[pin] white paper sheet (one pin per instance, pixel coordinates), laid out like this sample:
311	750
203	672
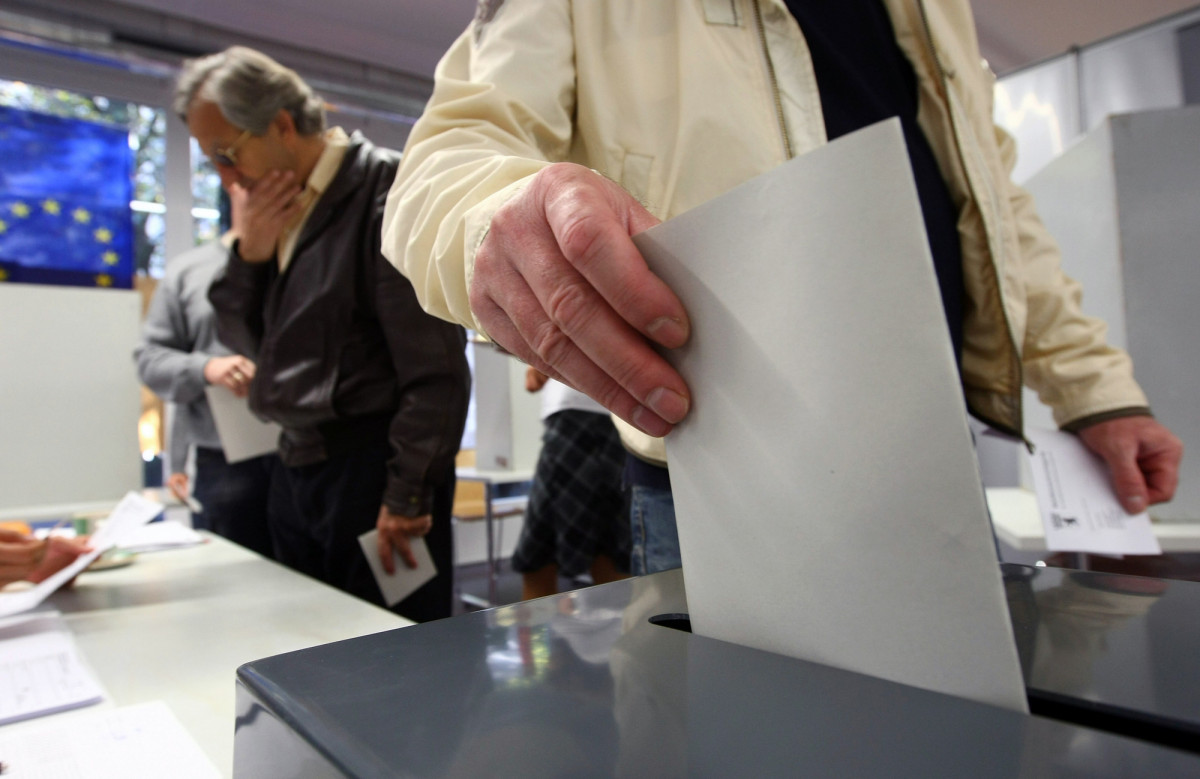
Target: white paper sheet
1079	508
242	434
40	669
144	741
157	536
131	513
405	581
826	488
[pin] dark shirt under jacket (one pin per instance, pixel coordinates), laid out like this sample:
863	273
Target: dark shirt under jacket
864	78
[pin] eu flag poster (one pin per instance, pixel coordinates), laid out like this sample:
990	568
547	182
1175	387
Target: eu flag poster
65	187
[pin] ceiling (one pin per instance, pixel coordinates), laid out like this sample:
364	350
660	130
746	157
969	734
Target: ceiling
403	39
410	35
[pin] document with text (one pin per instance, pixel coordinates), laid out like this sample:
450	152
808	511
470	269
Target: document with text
1079	508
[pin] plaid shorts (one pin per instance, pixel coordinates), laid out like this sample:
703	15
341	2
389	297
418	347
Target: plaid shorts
576	507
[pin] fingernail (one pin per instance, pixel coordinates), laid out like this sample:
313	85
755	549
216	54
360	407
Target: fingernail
668	331
668	404
1135	504
649	423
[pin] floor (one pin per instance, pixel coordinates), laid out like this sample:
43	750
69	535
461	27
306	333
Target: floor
472	580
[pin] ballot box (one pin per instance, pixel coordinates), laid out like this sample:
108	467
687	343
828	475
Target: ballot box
607	681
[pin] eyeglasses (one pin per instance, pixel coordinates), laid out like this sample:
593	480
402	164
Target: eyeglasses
227	157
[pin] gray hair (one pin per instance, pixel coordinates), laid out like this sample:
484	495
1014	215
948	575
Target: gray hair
249	88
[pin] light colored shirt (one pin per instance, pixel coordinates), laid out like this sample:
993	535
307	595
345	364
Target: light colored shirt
557	396
323	173
179	337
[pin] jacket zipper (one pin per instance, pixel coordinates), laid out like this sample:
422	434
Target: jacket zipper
762	39
1018	430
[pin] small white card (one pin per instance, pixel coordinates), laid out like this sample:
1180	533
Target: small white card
405	581
1079	508
242	434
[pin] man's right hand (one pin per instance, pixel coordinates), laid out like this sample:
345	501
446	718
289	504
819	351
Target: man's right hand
235	372
263	211
559	283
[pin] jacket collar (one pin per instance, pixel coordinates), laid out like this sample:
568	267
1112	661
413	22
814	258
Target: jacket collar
344	184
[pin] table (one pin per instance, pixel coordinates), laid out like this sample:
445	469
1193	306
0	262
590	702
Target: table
176	624
1018	523
491	478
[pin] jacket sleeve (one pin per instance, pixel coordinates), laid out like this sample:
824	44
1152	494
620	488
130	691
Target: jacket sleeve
165	360
434	382
501	110
1066	357
238	294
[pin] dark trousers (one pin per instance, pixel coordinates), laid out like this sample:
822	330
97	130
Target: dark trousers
317	512
234	498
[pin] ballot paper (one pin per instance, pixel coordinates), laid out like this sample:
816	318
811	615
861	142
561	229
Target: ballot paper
1079	508
143	741
242	434
827	494
40	669
405	581
158	536
131	513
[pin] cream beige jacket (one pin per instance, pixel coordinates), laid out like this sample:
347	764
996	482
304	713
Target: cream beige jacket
681	100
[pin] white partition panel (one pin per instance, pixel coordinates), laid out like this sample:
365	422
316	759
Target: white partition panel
69	398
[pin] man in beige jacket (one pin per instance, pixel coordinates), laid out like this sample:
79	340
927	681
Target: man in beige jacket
558	129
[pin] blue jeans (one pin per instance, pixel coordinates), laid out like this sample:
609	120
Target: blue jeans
655	541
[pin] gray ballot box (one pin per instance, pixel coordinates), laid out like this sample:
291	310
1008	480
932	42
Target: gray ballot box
607	681
1124	205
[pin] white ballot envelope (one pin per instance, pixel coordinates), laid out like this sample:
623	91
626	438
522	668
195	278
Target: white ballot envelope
1079	508
826	488
405	581
242	434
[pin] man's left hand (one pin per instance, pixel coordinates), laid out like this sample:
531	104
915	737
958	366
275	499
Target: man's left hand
394	532
1142	456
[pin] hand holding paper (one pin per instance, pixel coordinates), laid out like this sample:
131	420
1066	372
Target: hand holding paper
405	581
1080	511
131	513
558	283
1142	456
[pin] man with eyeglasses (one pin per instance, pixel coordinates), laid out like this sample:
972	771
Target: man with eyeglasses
370	391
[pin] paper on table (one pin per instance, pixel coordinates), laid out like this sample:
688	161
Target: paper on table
40	669
827	493
242	434
160	535
131	513
405	581
144	741
1079	508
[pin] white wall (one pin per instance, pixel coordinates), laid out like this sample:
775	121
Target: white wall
69	400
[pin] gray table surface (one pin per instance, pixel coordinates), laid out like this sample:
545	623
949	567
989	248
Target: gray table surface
175	625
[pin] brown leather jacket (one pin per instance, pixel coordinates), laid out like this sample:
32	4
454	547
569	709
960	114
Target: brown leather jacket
342	345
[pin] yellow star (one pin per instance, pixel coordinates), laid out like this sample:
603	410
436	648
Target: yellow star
104	280
111	258
20	209
51	207
103	235
82	215
3	275
3	227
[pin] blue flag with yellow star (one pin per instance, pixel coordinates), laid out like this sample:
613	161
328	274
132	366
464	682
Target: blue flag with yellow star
65	187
